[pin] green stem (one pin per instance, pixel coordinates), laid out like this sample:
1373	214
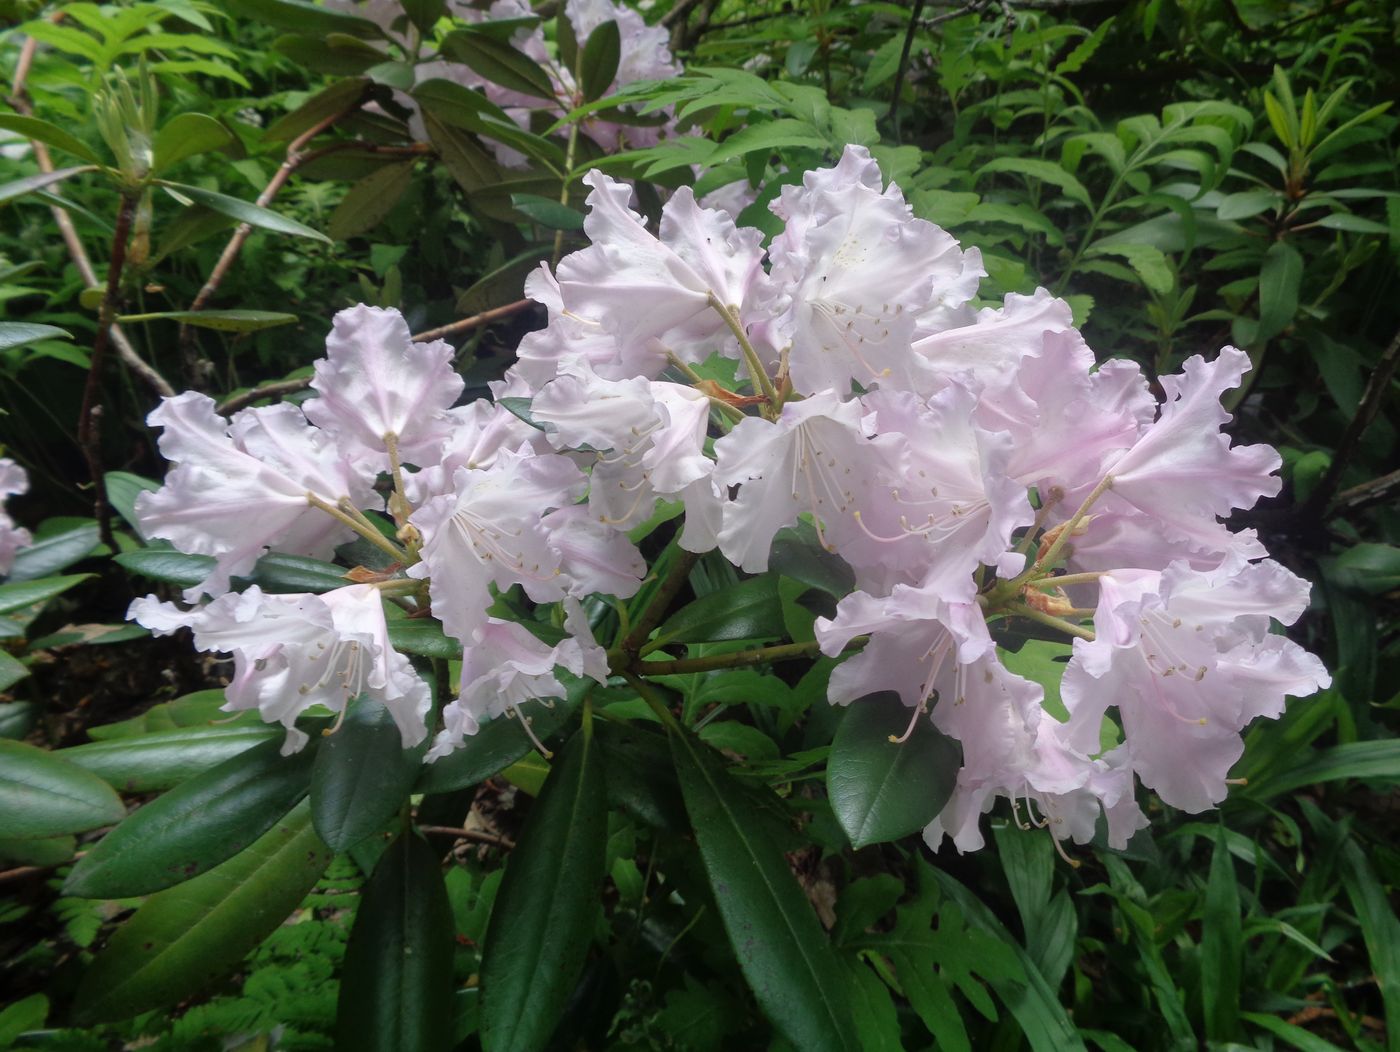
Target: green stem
1039	616
1071	578
1007	589
736	659
398	506
760	376
660	602
657	706
365	530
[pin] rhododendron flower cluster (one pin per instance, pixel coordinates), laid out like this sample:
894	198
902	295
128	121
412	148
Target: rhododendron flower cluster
974	468
13	482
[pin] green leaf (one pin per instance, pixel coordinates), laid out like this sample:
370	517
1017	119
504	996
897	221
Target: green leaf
880	789
16	718
1372	569
423	636
782	951
167	565
203	708
187	135
547	213
51	134
1353	223
156	762
22	1016
1380	928
54	552
1222	946
751	609
542	923
425	13
396	983
302	16
767	136
51	851
122	490
362	776
799	554
19	187
278	572
1294	1036
195	826
467	162
222	320
1246	203
496	746
598	63
641	780
20	595
183	939
1045	171
22	333
12	670
371	199
1148	262
498	62
340	97
1279	279
243	211
43	795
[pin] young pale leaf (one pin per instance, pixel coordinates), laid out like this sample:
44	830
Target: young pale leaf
156	762
243	211
396	986
187	135
43	795
195	826
181	940
782	951
362	776
543	919
880	789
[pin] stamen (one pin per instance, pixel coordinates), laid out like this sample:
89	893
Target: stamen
529	732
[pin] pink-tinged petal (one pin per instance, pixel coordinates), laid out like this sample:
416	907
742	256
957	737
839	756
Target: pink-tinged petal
14	480
239	488
1272	670
989	350
1183	471
582	410
375	381
580	653
594	557
1125	536
479	431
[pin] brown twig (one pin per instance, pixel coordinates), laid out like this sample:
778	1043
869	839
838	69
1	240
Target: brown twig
1377	387
470	834
89	418
1376	491
476	320
195	368
904	65
76	252
660	603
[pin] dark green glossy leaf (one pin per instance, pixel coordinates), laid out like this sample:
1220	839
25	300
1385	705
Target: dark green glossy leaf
467	162
301	16
55	552
396	985
203	708
156	762
1372	569
195	826
366	203
276	572
641	780
498	62
1377	760
424	13
496	746
122	490
547	213
880	789
16	717
543	919
338	98
244	211
187	135
784	955
12	670
183	939
19	596
1380	928
43	795
751	609
798	553
50	851
598	63
22	333
362	776
167	565
423	636
1279	281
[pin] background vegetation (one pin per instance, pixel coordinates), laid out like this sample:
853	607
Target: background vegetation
1186	173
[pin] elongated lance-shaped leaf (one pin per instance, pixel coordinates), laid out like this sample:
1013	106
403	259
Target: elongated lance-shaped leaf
182	939
784	955
43	795
396	987
543	919
362	775
195	826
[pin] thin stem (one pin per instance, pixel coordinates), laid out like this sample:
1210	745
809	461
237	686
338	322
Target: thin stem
398	505
568	177
89	418
1056	495
365	529
469	834
648	695
1060	625
1072	578
660	602
759	374
737	659
476	320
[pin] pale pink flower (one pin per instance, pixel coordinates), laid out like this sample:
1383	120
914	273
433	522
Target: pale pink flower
13	482
293	652
239	487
